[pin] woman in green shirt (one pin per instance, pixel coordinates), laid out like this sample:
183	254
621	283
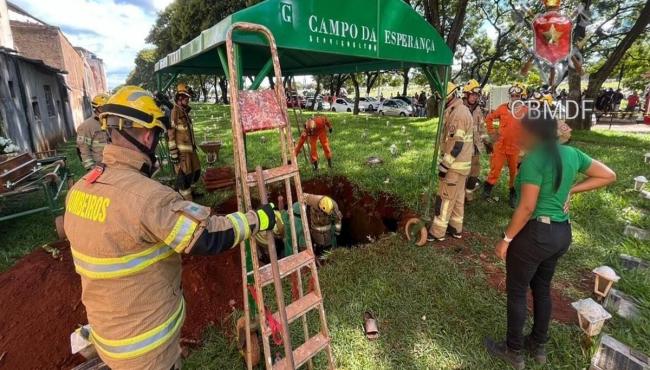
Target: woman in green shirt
539	232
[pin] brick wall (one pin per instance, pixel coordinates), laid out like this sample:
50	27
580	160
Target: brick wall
50	45
38	42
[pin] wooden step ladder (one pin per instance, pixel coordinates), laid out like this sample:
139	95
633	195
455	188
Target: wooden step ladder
267	110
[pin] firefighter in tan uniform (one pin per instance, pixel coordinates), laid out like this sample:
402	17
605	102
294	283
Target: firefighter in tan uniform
457	148
91	139
127	233
182	144
471	95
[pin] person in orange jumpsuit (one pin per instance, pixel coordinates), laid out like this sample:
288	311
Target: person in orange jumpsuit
316	129
506	138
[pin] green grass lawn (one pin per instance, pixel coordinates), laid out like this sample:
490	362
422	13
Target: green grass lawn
434	306
402	284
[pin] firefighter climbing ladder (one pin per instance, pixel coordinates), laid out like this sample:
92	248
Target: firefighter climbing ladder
272	115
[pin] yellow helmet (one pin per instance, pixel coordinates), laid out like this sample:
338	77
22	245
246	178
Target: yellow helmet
472	87
182	89
132	106
517	89
326	204
548	98
451	88
99	100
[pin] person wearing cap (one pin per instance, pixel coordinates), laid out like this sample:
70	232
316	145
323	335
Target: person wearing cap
471	98
457	148
539	232
506	137
316	129
91	139
127	233
182	143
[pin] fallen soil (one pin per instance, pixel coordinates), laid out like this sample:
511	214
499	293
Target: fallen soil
41	296
40	304
496	277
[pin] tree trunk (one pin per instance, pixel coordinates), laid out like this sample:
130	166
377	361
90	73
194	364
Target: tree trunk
596	79
371	78
223	84
405	75
216	91
355	111
314	105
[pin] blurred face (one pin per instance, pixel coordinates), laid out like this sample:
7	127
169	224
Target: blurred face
185	100
515	97
527	140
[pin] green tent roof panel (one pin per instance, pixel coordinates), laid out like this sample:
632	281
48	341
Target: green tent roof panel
318	37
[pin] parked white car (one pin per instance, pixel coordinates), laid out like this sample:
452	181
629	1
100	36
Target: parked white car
368	104
395	107
342	105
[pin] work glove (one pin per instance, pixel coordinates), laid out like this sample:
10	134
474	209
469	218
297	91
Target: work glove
442	170
266	217
173	156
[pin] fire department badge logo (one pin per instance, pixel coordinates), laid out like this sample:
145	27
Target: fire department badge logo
553	37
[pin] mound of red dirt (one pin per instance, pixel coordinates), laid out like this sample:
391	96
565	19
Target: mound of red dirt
41	305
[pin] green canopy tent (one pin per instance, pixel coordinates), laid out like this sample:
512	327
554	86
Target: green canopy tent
319	37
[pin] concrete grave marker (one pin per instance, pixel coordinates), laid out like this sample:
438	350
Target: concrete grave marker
622	304
615	355
636	233
633	263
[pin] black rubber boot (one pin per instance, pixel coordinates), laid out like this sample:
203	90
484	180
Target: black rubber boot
431	238
487	190
535	350
513	198
315	164
329	163
454	233
501	351
472	183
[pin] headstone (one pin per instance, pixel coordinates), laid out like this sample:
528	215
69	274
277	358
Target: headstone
633	263
621	304
636	233
614	355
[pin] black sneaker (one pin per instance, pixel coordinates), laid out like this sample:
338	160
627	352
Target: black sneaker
535	350
432	238
500	350
454	234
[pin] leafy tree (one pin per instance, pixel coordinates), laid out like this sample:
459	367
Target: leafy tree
142	75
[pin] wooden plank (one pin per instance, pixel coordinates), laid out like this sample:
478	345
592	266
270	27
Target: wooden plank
274	174
300	307
305	352
287	265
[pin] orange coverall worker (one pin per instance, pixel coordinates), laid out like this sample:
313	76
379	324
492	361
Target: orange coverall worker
506	148
315	134
457	150
126	234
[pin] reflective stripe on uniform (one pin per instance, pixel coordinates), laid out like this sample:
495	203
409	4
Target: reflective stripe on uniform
185	148
113	267
180	236
461	165
448	158
181	128
143	343
322	228
172	145
239	224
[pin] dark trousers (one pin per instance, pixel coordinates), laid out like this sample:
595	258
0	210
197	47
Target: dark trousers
531	260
